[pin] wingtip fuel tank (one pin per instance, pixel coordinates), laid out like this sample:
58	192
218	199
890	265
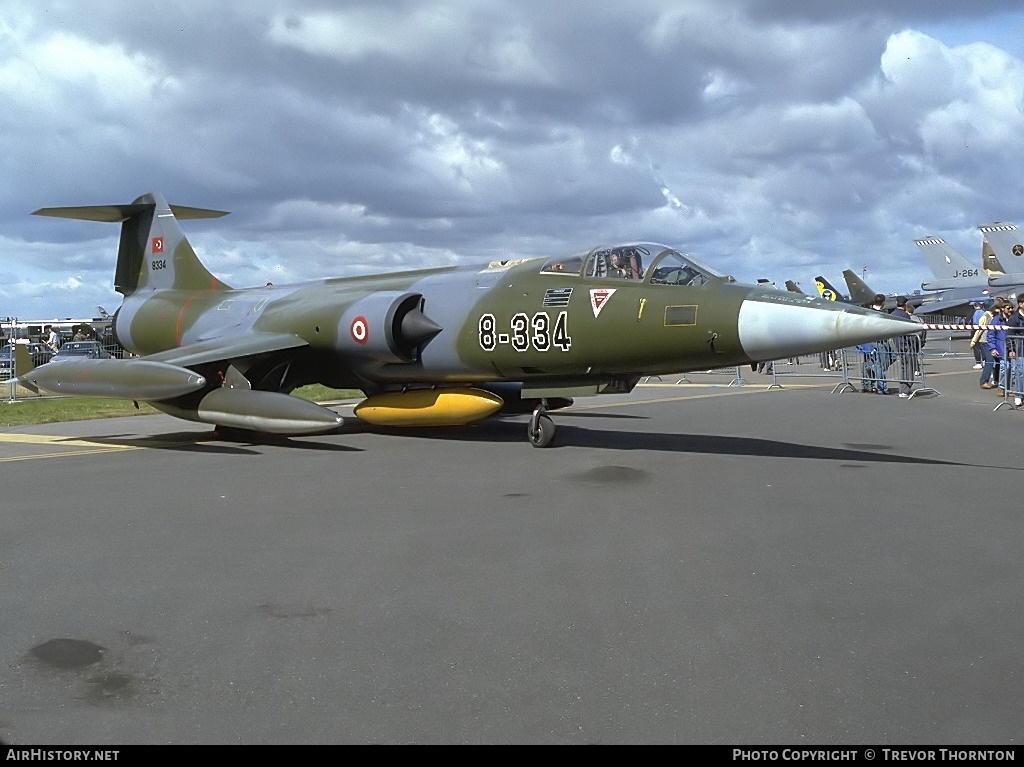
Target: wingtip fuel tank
136	379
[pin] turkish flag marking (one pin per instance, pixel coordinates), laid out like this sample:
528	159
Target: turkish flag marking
360	330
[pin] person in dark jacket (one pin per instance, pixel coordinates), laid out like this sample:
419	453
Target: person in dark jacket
1015	352
918	340
902	349
997	344
883	355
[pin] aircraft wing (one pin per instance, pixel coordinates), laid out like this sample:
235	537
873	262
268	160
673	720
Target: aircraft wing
948	302
172	373
220	349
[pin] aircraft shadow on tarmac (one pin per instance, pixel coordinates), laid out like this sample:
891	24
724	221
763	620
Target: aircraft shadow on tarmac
513	432
507	431
624	416
208	442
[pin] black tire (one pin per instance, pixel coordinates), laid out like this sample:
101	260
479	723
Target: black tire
544	434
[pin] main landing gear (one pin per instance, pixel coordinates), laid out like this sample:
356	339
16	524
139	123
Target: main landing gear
541	431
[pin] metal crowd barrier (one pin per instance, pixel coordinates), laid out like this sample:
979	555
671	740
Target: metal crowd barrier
735	374
1011	374
887	367
829	365
893	366
946	330
950	331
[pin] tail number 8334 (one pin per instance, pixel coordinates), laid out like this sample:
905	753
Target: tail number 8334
525	331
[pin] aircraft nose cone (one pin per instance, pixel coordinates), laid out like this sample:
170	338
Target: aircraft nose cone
777	325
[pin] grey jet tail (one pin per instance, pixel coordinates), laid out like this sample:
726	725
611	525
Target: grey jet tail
950	267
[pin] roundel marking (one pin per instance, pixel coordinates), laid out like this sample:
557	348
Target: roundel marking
1018	250
360	330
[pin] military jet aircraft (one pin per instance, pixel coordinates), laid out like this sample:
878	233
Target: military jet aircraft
433	347
957	284
861	293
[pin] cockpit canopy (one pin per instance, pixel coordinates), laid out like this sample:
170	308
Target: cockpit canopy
656	264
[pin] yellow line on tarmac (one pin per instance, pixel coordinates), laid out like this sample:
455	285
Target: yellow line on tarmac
85	446
89	447
67	454
47	439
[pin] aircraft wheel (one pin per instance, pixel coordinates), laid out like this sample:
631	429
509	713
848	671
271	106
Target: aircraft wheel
541	431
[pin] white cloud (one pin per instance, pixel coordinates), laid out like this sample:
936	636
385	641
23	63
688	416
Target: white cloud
426	35
766	139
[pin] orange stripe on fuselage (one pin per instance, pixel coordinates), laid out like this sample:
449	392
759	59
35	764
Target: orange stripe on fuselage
181	316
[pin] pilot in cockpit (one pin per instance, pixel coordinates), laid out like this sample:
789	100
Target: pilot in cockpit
626	264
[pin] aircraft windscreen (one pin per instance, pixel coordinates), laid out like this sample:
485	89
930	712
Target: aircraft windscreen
673	268
623	262
563	265
634	262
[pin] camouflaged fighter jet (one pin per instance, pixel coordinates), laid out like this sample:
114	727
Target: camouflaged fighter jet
434	347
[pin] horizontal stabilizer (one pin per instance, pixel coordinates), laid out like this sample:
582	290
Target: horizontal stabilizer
1014	280
952	284
116	214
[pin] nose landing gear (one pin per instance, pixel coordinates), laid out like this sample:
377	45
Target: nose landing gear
541	431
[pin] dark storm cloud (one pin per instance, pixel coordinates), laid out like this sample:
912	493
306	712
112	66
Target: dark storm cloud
767	138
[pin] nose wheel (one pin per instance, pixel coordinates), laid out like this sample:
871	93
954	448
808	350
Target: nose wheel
541	430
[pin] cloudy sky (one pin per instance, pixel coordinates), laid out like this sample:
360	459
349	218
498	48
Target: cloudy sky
768	138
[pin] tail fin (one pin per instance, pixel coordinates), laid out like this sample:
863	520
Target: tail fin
826	291
154	253
1003	244
792	287
860	293
950	267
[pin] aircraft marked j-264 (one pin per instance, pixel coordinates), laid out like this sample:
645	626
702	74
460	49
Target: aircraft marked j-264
433	347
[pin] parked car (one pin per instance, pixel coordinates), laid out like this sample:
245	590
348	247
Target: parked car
40	353
79	350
